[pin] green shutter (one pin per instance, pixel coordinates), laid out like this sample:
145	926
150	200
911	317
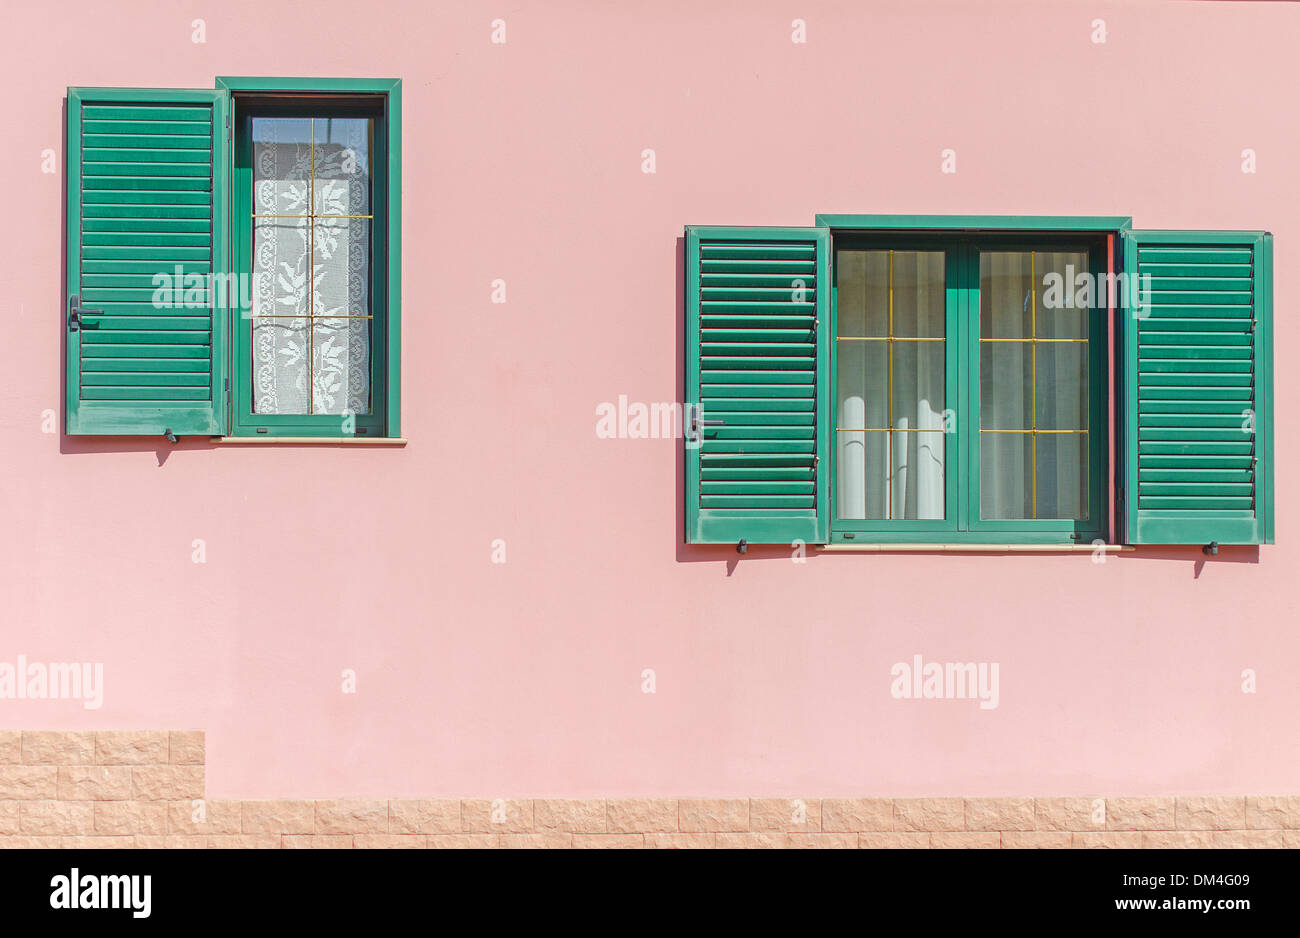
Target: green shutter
757	360
145	197
1198	416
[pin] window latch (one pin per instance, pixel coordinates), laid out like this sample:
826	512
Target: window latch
698	423
75	320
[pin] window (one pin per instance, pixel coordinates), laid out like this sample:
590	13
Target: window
234	260
948	381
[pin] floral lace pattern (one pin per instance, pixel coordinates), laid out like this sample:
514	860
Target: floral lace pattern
311	266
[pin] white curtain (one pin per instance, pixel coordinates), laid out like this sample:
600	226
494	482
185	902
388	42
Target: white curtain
1025	385
317	172
891	453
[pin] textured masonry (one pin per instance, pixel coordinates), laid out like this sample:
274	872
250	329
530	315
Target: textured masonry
146	789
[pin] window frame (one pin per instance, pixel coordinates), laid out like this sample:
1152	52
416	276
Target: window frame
884	530
962	238
248	95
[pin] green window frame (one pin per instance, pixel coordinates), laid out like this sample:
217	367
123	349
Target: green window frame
962	478
159	180
1170	363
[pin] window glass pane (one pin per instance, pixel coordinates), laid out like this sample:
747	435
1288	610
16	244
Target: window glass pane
890	395
1033	385
311	265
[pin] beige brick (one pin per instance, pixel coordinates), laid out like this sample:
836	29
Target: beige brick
1035	840
98	842
1273	811
352	816
1255	840
551	840
11	747
1127	840
965	840
9	817
58	747
659	841
585	816
513	817
317	842
704	815
929	814
130	817
214	817
1000	814
1209	813
794	815
750	841
170	842
56	817
464	841
277	817
890	840
95	782
1069	814
166	782
857	814
1172	840
636	815
1140	814
846	841
131	747
389	841
608	841
186	747
28	782
429	816
31	842
244	842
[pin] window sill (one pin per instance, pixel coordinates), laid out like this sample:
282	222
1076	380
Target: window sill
975	548
311	440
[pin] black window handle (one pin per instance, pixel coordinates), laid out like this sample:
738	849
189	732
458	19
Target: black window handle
75	319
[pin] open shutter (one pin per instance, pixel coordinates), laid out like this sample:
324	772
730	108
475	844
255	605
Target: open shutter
145	203
757	395
1198	415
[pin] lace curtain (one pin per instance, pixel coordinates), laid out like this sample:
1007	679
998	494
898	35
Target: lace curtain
311	266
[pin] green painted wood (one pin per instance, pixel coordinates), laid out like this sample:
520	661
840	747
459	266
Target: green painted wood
145	197
143	349
122	112
150	397
757	354
139	141
1197	454
142	172
144	128
174	253
134	378
121	366
97	272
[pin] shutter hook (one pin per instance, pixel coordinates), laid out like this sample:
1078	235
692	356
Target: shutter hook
1211	549
171	437
742	546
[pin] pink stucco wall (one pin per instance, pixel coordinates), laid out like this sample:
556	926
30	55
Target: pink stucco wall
523	162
